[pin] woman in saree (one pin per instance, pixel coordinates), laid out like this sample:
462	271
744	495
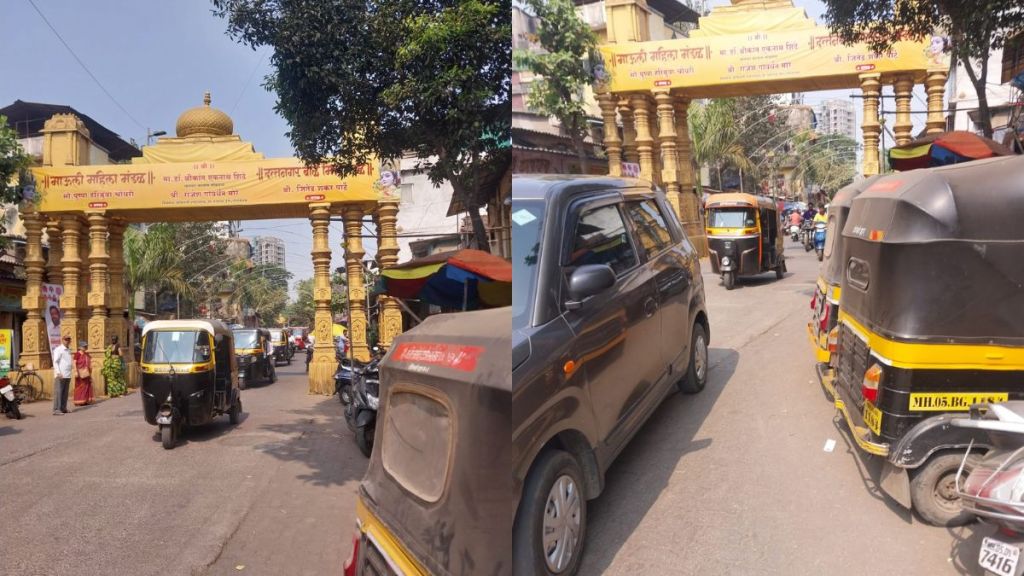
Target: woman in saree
83	375
113	369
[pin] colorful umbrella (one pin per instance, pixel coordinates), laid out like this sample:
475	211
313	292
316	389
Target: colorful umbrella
944	148
466	279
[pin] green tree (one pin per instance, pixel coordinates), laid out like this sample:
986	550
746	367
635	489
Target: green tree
560	68
362	78
716	138
13	163
262	289
828	161
152	262
300	311
974	29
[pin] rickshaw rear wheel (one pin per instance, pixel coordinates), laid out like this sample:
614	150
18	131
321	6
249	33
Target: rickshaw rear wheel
729	280
235	413
167	436
538	513
933	489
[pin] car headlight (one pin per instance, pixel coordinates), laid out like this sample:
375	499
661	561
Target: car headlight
726	261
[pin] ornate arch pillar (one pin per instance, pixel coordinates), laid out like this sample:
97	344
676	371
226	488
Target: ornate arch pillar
689	201
35	346
353	217
99	328
389	322
669	147
903	85
323	364
871	88
644	140
935	87
612	142
73	325
629	152
54	272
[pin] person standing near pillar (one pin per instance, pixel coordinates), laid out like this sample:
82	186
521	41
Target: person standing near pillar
61	376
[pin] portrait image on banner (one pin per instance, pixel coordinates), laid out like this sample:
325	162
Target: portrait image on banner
52	313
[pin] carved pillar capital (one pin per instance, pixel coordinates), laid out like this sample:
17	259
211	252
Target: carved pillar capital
935	87
871	86
903	85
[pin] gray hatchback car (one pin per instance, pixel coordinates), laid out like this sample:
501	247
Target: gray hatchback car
608	316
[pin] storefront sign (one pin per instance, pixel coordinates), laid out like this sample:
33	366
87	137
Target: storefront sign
6	344
203	184
810	55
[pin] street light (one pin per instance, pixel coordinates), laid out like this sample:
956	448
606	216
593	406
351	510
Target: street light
150	135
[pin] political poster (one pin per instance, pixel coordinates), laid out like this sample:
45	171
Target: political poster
52	313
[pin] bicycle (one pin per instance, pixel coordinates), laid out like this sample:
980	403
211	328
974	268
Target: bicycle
29	386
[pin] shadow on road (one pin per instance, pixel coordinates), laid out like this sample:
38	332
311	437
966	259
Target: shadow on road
319	439
870	470
963	551
642	471
8	430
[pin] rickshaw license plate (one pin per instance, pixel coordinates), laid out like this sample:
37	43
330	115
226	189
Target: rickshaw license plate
999	557
873	418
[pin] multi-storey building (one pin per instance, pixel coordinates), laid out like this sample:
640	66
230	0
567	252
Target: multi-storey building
268	250
836	116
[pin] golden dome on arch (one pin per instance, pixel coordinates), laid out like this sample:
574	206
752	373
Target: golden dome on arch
204	121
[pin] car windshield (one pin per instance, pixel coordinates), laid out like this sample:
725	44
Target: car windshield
246	339
176	347
732	218
527	219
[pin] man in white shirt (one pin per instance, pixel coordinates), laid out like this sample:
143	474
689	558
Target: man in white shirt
61	376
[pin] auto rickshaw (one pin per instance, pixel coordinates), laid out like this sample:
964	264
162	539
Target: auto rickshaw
825	303
280	339
255	361
189	375
744	237
437	495
931	322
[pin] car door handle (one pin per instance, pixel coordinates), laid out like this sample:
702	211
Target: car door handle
650	307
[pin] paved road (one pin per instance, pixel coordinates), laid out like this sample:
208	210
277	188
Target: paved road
93	492
735	480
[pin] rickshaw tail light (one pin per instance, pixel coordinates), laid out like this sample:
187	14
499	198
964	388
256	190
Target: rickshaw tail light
814	301
833	340
823	323
350	564
869	387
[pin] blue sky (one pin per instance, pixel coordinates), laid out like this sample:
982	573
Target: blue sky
156	58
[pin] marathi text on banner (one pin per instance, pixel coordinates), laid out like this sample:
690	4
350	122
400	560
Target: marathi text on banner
757	57
198	185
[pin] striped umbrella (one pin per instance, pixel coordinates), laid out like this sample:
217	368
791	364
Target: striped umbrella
944	148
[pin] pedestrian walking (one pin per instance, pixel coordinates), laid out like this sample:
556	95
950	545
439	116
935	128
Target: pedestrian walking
113	369
83	375
61	376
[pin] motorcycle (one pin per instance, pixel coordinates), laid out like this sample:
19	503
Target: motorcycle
807	235
991	490
819	239
361	410
794	232
8	401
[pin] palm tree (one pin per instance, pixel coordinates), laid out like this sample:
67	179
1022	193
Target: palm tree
152	262
716	137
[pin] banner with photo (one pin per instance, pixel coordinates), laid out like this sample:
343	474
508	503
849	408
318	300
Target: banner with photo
52	313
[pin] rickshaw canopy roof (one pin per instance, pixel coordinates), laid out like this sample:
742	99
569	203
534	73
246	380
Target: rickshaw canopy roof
740	199
214	327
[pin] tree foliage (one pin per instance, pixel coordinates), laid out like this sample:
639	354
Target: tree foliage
828	162
716	138
363	78
300	312
152	262
560	68
13	166
262	289
974	28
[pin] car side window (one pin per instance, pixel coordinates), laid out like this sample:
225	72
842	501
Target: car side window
601	238
649	223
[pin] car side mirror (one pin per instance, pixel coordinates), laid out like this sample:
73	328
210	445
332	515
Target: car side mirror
588	280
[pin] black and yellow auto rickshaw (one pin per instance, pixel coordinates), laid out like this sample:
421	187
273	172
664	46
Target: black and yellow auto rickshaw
280	339
931	321
437	495
825	303
255	360
744	237
188	375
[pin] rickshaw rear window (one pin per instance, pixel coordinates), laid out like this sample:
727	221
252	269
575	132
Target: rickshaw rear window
176	347
417	444
732	218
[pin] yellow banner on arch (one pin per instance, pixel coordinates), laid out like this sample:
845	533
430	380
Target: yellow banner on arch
283	181
812	56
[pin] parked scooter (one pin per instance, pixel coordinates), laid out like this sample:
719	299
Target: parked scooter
361	411
992	489
819	239
8	401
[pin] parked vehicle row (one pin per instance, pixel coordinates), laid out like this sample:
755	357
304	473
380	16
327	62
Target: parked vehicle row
927	320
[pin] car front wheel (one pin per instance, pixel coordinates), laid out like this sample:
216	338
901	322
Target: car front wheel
547	537
697	372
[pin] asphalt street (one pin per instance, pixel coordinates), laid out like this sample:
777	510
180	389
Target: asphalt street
735	480
93	492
